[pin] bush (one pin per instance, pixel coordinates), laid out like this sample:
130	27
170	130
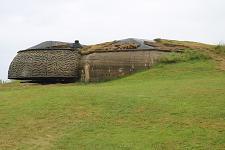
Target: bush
220	48
187	55
158	40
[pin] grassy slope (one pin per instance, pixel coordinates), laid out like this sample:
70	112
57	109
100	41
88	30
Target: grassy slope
172	106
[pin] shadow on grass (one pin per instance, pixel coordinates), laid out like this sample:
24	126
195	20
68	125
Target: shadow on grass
46	81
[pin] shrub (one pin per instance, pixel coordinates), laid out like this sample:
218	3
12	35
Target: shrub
158	40
220	48
187	55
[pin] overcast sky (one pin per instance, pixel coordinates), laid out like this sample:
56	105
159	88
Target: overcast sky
24	23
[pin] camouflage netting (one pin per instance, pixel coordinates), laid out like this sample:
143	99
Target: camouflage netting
120	45
39	64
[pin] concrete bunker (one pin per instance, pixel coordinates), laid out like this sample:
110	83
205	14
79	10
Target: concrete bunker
58	61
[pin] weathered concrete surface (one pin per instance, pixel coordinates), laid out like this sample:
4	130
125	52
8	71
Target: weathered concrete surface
109	65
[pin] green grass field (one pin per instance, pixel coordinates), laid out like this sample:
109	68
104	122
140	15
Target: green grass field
175	106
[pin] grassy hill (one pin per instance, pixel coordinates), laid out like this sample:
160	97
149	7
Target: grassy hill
172	106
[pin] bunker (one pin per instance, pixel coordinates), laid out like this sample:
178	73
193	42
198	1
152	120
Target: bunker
61	61
46	61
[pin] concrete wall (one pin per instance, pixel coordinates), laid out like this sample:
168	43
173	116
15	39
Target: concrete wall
109	65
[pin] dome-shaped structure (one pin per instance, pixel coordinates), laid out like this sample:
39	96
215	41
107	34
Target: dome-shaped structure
48	60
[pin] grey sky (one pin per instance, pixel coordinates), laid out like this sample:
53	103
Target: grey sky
24	23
